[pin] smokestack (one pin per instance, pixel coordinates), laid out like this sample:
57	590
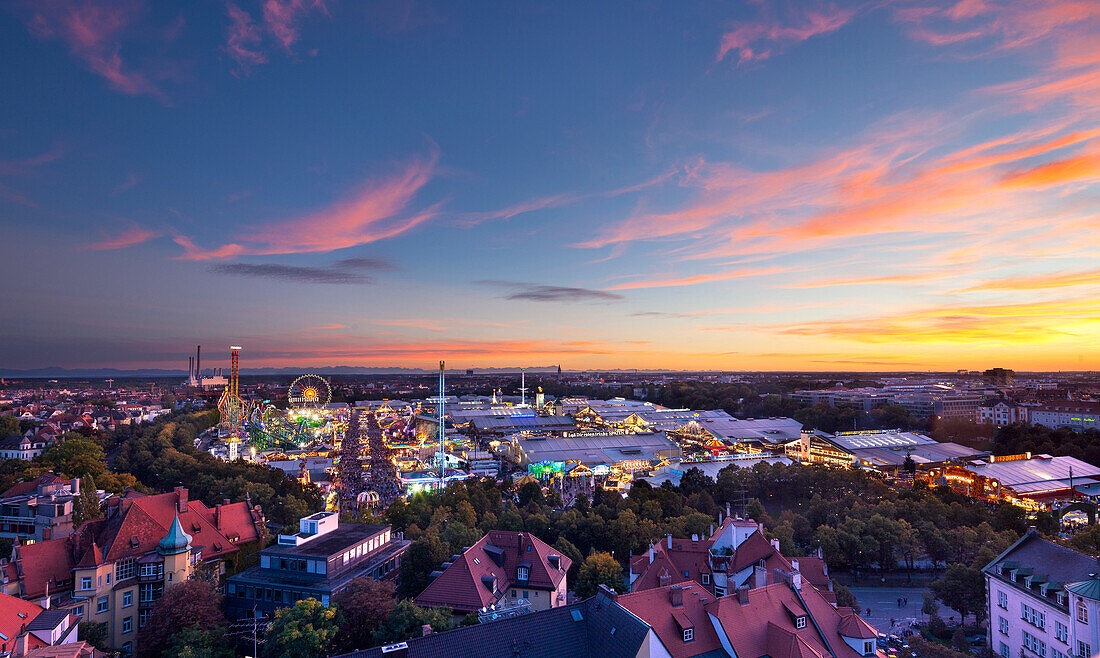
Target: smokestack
198	361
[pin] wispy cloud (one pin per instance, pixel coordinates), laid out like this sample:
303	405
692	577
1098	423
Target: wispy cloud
346	271
131	181
761	38
699	278
134	234
1039	281
379	210
244	39
94	31
23	167
282	18
547	293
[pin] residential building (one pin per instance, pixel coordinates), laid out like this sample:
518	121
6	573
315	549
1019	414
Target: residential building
321	559
503	566
1075	414
864	399
39	509
113	569
25	626
24	447
1044	600
1003	413
735	555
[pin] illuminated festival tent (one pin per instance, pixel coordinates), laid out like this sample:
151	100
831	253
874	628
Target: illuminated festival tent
1031	481
599	449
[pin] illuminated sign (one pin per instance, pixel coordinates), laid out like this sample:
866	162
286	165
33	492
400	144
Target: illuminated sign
545	468
601	469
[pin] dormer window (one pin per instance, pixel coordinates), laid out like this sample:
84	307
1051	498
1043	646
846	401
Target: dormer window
706	578
689	634
522	573
800	622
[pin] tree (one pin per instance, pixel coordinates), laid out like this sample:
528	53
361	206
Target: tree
844	597
962	588
406	620
94	633
926	649
192	604
86	505
196	643
598	569
365	603
909	465
307	628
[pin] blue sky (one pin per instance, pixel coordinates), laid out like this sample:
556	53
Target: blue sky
747	185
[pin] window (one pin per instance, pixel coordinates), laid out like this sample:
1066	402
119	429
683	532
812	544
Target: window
155	570
526	594
800	622
689	634
108	579
127	598
1054	653
1035	645
522	574
1084	649
1036	618
124	569
1002	600
706	578
1061	632
1082	612
719	590
868	648
143	616
78	611
103	604
128	649
127	624
1002	625
686	574
1004	650
85	583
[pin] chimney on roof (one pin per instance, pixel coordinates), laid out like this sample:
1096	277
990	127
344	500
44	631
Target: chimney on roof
74	486
608	592
676	596
181	499
719	517
775	543
743	595
22	642
664	578
712	529
425	630
669	537
651	555
694	537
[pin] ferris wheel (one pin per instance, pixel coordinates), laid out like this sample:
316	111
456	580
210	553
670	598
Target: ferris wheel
310	391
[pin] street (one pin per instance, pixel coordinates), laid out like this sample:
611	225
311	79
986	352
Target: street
883	602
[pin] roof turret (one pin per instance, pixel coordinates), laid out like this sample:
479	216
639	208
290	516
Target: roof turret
176	541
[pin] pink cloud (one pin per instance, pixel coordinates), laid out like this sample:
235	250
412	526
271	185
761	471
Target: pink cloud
244	41
376	212
282	17
134	235
757	40
94	32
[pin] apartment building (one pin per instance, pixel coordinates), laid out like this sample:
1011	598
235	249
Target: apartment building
1044	600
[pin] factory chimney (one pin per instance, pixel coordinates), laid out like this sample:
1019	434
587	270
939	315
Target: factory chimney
198	362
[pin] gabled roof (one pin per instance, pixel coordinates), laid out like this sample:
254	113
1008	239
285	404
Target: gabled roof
654	607
43	562
31	486
853	626
14	615
466	585
748	626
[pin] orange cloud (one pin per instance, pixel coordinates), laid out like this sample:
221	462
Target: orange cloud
757	40
698	278
376	212
1040	281
129	237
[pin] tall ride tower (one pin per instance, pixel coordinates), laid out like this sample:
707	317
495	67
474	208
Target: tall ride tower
442	452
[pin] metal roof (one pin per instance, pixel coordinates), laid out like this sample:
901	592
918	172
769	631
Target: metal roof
878	439
1037	473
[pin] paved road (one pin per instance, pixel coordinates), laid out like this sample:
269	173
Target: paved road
883	602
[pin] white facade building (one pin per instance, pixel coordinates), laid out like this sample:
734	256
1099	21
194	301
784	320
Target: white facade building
1075	414
1004	413
1044	601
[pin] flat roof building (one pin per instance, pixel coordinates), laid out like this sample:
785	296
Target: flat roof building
322	558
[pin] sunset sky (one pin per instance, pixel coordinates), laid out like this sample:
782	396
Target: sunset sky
755	184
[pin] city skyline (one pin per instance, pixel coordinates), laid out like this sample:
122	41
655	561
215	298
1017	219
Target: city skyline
900	185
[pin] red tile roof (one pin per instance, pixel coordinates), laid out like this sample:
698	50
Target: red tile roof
465	585
29	487
654	607
16	613
749	626
43	562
